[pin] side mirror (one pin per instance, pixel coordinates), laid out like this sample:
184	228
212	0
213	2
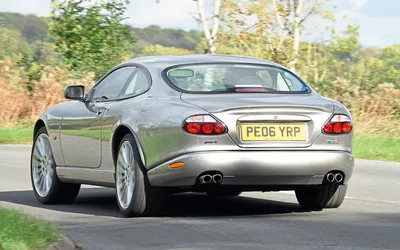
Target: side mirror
74	92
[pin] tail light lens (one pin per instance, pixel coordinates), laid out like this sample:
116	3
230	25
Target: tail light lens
339	124
203	125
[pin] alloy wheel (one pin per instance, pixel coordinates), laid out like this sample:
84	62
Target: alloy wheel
42	164
125	175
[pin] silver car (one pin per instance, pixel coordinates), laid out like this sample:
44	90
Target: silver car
200	123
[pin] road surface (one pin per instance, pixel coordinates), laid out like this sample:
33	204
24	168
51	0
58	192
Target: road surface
368	219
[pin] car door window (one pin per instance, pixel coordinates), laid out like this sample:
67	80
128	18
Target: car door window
111	86
138	84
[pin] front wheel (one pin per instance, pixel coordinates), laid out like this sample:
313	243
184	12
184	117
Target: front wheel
135	195
329	195
47	188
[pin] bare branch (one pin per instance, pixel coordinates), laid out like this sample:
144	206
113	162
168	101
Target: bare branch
312	10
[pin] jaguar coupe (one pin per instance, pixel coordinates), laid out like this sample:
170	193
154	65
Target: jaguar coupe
219	125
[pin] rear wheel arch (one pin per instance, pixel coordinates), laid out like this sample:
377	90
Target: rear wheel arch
118	135
38	125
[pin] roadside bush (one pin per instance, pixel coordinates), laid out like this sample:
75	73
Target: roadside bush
13	92
24	101
373	112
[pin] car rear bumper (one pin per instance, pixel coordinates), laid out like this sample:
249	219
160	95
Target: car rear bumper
255	167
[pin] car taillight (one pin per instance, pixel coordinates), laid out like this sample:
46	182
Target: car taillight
339	124
203	125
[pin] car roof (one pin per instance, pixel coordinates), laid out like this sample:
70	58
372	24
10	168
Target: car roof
172	60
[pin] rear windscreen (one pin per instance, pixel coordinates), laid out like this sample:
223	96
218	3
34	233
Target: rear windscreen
234	78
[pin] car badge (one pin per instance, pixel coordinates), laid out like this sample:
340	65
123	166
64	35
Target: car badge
333	142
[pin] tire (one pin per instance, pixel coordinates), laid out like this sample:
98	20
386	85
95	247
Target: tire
223	193
325	196
47	188
135	195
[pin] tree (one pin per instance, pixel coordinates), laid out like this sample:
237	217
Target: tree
33	28
210	31
391	59
45	56
178	38
12	44
46	53
391	55
152	50
275	25
346	47
89	33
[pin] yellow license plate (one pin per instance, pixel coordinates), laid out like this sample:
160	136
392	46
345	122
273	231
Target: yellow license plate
274	132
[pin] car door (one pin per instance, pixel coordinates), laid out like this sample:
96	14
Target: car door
81	130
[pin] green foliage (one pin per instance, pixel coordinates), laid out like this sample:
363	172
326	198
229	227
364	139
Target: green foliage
390	57
151	50
12	44
346	47
89	34
178	38
46	53
32	28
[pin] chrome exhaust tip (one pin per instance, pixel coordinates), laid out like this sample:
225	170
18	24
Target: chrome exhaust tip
330	177
217	178
205	179
338	177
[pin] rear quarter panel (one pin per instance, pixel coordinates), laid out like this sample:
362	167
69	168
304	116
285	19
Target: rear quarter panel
160	134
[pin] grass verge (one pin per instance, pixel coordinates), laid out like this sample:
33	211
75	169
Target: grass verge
377	147
20	231
16	135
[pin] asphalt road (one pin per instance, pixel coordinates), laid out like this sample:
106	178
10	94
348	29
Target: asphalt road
368	219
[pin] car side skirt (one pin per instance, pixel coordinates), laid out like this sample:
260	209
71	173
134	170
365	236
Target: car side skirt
88	176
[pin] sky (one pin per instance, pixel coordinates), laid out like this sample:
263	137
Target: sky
379	19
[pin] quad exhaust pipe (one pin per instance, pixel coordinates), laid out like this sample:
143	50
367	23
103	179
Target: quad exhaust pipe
331	177
207	179
338	177
217	178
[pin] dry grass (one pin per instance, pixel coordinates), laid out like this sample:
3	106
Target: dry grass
19	104
373	113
